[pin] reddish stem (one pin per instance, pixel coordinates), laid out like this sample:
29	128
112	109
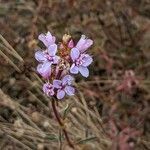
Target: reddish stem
61	123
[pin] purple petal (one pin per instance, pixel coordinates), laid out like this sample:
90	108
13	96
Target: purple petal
52	49
74	53
84	44
51	92
69	90
39	56
60	94
87	60
42	38
74	69
81	42
57	84
84	71
56	59
53	39
46	66
39	68
87	44
47	39
67	80
45	87
44	69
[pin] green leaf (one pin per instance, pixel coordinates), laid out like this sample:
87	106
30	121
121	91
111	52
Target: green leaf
52	137
66	110
86	140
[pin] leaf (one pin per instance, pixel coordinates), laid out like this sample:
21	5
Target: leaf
86	140
66	110
52	137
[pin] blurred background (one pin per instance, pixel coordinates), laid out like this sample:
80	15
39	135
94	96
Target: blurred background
111	107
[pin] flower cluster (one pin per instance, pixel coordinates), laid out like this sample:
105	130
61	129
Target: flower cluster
58	62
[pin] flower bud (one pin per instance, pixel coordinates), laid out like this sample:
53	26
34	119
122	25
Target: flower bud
66	38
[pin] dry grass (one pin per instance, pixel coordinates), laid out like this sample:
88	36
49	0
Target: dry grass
98	115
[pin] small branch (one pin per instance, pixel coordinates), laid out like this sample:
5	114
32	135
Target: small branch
61	124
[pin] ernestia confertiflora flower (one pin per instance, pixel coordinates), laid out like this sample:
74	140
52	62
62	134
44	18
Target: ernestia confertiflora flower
80	62
63	86
46	59
48	89
58	62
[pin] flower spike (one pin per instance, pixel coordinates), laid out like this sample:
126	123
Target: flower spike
58	63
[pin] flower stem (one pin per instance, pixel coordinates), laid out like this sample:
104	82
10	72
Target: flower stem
61	124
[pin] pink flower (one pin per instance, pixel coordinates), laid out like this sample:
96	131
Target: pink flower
48	89
64	86
46	59
80	62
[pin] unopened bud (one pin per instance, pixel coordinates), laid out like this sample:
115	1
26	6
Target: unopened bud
66	38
